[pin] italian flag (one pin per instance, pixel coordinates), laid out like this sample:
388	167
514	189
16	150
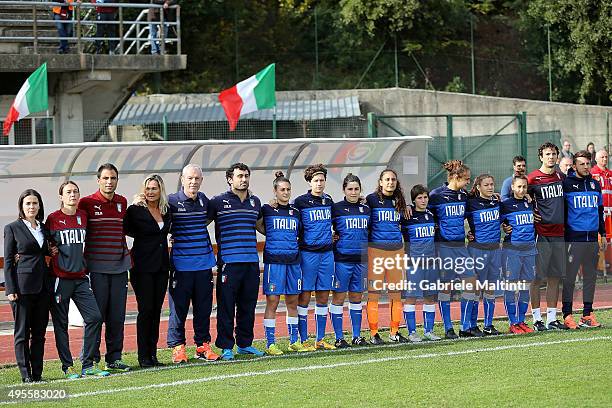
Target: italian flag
32	97
252	94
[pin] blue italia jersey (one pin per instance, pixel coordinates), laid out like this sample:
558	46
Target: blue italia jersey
448	206
385	222
235	227
351	222
191	250
315	213
584	208
282	226
519	215
419	233
483	217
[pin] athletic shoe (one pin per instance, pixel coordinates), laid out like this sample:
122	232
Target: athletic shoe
525	328
323	345
557	325
570	322
341	343
477	331
398	338
450	334
539	326
71	373
359	341
376	340
515	329
227	354
589	321
431	336
95	371
297	347
204	352
179	355
490	331
117	365
414	338
471	332
273	350
156	362
250	350
309	346
146	364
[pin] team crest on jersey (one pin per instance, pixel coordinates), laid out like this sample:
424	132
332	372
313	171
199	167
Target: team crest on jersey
459	196
323	201
272	287
201	203
79	219
119	206
526	205
592	185
360	209
252	202
427	217
290	212
393	202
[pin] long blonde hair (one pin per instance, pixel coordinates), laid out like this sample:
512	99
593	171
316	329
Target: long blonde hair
163	198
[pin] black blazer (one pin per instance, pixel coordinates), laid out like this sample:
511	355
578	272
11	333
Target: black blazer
27	276
150	248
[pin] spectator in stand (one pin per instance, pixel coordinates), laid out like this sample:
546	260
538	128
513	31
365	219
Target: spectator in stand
63	21
154	23
519	167
105	26
565	152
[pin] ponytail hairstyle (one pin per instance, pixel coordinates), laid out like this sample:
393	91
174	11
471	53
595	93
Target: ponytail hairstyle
455	169
474	191
350	178
398	194
313	170
279	177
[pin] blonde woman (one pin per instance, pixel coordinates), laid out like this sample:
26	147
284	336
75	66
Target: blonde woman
148	222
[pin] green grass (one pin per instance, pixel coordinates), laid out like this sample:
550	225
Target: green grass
541	369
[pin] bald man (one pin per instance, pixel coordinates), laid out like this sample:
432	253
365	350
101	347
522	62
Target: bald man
564	164
602	174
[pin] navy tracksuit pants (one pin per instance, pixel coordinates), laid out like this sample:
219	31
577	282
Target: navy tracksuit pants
237	289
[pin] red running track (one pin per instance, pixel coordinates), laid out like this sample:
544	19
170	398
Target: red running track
603	300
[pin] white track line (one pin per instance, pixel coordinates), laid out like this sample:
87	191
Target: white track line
329	366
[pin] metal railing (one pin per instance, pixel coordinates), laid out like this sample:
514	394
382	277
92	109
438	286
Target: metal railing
133	32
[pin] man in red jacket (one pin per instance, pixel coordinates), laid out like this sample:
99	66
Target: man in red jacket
103	29
602	174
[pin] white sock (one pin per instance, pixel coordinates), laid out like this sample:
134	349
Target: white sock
551	315
537	315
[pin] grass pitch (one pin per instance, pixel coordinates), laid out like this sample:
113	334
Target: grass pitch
541	369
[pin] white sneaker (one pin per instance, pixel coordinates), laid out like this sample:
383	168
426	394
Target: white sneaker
414	338
431	336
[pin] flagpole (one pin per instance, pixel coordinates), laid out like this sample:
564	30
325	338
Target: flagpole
274	123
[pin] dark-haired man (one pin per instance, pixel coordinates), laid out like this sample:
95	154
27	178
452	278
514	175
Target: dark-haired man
519	168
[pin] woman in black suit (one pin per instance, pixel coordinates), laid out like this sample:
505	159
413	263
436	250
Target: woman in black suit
25	268
148	222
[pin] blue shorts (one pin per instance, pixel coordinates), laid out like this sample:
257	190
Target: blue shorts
487	264
419	281
281	279
456	263
518	267
317	270
349	277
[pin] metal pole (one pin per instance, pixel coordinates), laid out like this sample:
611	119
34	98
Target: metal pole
35	29
396	65
121	40
372	131
33	130
523	133
78	28
449	137
472	54
274	123
162	35
165	127
316	35
550	97
236	44
178	30
49	129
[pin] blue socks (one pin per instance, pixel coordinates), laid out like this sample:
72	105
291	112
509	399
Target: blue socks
303	322
474	319
336	312
292	328
444	304
270	326
429	316
511	306
321	319
467	301
488	303
355	311
523	304
410	317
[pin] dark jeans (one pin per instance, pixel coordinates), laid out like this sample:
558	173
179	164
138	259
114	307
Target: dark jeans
106	30
64	29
